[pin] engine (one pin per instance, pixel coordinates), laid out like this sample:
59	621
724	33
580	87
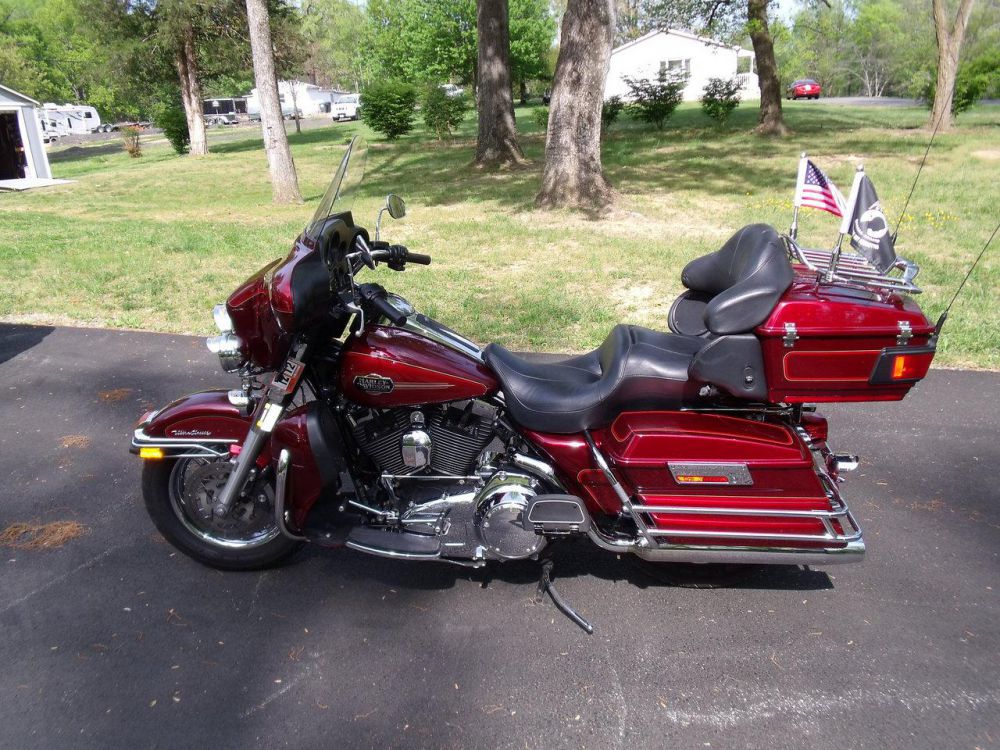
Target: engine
469	501
441	439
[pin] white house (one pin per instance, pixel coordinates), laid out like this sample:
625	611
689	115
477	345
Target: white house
22	151
309	98
674	50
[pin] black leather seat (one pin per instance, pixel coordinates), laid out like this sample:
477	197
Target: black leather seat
731	292
634	368
734	289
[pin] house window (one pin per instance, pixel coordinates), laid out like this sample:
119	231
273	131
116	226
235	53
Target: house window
744	64
675	67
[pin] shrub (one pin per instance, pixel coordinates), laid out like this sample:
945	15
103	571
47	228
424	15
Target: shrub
443	113
389	107
655	101
720	97
173	121
610	110
541	117
976	79
130	141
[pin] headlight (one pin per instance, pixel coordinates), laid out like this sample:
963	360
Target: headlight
228	346
222	320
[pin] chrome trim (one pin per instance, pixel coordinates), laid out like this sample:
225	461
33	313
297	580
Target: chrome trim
452	341
645	539
905	333
737	474
791	335
222	320
538	468
358	547
852	552
845	461
854	268
238	397
195	448
225	344
280	488
416	449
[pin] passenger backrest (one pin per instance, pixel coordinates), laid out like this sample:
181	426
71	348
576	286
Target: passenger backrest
746	277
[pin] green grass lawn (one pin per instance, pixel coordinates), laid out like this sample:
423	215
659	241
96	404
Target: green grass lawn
154	242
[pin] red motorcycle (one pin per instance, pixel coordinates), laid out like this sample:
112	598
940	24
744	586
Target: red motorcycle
362	422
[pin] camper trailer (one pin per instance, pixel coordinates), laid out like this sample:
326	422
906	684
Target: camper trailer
52	128
76	119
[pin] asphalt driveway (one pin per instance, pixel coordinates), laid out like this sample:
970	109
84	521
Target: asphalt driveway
115	640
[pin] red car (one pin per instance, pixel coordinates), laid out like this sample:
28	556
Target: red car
804	89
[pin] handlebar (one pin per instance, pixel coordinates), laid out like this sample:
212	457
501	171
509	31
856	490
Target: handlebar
374	295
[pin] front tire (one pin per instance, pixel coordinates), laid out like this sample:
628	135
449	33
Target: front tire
247	539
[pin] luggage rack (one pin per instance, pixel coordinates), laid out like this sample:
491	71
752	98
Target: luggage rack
854	268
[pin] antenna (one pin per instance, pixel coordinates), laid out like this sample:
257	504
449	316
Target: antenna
944	315
895	232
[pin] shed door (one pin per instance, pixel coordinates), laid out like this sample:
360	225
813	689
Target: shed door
12	157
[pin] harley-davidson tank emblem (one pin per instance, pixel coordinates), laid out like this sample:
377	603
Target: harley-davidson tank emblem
373	383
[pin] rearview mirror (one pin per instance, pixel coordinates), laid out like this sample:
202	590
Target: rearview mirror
395	205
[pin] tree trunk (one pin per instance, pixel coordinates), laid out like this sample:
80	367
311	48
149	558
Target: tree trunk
187	73
573	175
497	142
295	105
524	92
949	44
772	121
284	181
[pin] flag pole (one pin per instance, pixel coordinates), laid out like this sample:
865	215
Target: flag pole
845	221
797	200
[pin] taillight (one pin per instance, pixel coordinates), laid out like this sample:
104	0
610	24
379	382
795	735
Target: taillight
902	365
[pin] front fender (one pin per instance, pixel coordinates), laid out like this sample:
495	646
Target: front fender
203	424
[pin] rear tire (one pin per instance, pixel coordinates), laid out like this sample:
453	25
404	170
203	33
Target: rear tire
266	548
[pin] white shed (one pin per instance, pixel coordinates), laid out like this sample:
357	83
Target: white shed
675	50
22	151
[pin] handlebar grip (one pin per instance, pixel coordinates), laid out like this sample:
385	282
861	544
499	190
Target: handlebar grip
418	258
387	310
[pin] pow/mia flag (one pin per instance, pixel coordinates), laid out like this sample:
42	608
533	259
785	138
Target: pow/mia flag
870	233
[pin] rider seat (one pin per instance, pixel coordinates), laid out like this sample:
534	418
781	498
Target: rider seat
731	292
634	368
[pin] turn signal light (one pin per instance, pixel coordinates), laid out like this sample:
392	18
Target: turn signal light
906	367
693	479
902	365
150	453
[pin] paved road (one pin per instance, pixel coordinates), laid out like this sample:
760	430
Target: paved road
115	640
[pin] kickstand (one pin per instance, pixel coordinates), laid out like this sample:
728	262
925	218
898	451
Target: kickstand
545	586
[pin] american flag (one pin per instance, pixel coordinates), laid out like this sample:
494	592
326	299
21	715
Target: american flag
816	191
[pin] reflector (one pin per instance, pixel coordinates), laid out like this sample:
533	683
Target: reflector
150	453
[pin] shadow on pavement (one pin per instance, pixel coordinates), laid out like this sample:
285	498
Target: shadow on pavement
15	339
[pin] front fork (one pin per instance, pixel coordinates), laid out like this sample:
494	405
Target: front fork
272	405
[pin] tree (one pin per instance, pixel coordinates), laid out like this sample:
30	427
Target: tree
949	43
573	175
532	29
186	60
330	28
284	181
496	144
772	121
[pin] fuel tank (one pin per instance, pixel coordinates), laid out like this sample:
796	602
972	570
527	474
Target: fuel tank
388	366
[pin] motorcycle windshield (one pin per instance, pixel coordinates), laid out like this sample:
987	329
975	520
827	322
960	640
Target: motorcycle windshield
340	195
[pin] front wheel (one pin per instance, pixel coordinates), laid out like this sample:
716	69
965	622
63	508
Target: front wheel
179	496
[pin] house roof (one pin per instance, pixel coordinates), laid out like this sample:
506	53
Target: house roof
16	95
676	32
